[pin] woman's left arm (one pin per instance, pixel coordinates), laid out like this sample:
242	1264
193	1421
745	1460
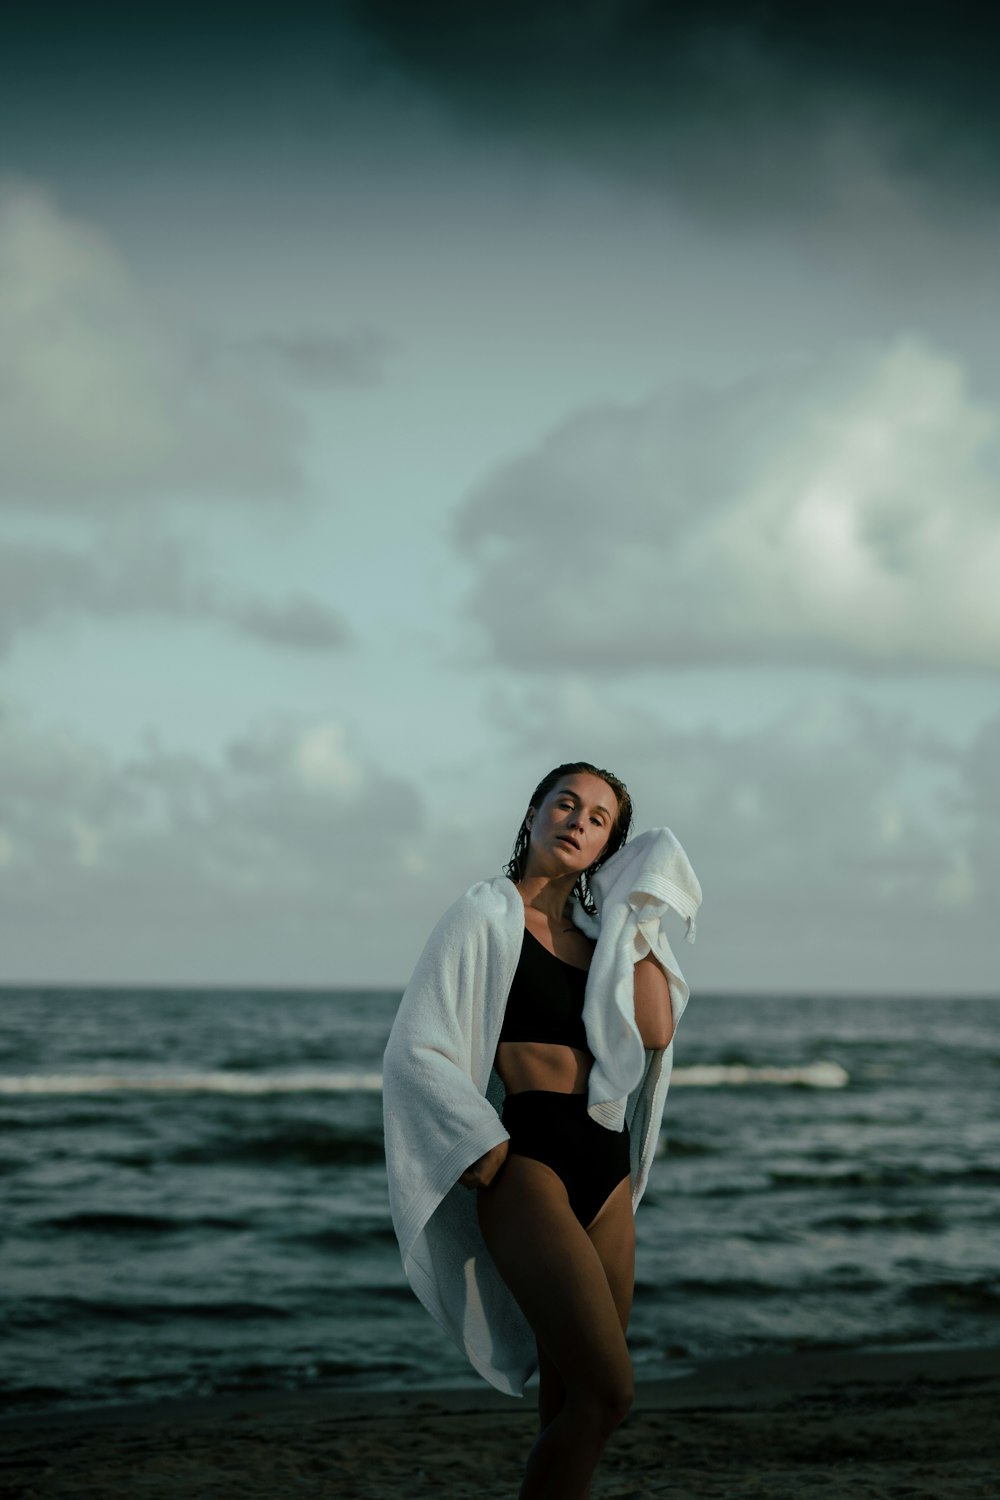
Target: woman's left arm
653	1013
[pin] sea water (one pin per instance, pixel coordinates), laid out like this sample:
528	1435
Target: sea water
193	1194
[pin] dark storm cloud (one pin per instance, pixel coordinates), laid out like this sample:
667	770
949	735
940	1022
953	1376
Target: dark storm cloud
149	84
739	109
751	105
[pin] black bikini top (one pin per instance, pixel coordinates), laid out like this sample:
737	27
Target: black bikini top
545	1003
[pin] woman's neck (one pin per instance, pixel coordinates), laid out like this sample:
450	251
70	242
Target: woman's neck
547	894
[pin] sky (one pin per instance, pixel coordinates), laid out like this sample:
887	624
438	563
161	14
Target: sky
398	401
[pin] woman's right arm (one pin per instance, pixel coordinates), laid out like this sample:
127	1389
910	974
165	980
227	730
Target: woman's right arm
654	1016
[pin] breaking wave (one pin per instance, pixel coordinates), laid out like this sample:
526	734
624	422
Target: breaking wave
816	1075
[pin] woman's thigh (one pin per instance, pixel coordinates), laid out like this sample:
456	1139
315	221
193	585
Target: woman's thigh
557	1277
612	1235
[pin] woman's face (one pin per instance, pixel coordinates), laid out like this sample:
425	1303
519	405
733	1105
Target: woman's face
572	826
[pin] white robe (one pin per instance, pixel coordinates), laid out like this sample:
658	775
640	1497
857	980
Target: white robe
441	1094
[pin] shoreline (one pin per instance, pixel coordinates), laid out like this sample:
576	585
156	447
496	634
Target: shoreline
843	1423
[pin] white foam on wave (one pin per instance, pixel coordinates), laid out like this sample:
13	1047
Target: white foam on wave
817	1075
190	1083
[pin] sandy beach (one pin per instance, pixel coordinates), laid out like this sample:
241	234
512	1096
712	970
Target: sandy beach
920	1425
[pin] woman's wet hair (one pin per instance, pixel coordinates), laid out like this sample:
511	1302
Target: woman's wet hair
515	868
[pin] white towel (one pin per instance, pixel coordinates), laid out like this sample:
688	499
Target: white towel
441	1095
440	1103
632	892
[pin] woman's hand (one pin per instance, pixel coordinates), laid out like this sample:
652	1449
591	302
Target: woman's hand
483	1171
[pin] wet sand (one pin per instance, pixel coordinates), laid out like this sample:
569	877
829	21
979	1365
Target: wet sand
897	1425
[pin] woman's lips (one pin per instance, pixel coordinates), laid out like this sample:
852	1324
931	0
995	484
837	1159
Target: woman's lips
565	839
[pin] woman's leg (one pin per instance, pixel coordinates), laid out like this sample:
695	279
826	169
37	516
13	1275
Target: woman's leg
551	1391
612	1235
556	1274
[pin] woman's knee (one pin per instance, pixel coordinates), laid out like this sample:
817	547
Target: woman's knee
604	1406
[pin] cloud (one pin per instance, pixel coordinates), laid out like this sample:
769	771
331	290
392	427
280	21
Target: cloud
302	623
840	514
139	573
357	357
107	400
274	861
839	847
110	410
977	802
742	111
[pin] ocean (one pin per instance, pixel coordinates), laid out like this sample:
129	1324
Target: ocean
194	1201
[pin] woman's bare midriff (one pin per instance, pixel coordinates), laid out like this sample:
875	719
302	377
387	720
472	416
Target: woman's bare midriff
543	1065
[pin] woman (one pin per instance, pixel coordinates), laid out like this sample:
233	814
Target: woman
553	1189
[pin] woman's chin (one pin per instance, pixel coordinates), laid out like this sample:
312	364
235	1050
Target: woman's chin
569	860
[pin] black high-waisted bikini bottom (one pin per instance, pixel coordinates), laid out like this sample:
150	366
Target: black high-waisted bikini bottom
556	1129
